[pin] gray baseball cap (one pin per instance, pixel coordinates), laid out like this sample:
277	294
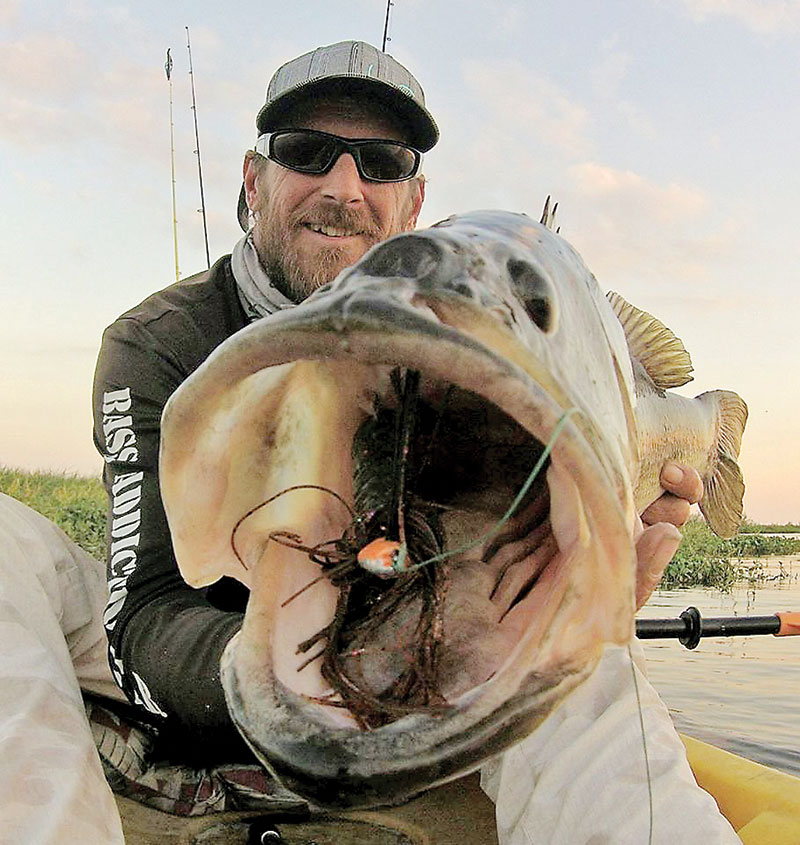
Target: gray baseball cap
349	67
352	67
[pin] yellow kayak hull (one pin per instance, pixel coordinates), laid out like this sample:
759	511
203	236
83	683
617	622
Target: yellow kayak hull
762	804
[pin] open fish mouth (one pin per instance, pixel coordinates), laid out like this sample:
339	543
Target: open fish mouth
409	402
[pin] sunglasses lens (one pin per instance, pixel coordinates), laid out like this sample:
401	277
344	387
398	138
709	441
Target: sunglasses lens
303	151
316	152
385	161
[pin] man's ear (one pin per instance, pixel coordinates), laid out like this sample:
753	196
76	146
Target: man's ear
419	198
249	173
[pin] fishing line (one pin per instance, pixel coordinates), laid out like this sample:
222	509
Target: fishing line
398	565
644	744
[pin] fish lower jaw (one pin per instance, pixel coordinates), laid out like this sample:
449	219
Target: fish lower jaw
502	669
333	766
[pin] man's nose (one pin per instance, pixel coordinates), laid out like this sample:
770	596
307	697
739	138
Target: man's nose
342	182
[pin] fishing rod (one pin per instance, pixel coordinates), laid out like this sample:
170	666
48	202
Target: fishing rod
197	140
690	626
386	38
168	69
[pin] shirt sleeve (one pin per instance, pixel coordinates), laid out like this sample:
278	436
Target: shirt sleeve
165	638
607	766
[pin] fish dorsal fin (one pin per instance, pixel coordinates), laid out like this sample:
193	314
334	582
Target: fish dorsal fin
548	217
656	347
723	491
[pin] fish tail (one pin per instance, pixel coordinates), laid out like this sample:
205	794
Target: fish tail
723	495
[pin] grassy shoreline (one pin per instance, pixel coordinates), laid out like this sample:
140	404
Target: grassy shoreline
78	505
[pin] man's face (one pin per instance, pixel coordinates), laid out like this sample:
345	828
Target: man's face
310	227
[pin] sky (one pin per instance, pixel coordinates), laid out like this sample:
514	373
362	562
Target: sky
667	130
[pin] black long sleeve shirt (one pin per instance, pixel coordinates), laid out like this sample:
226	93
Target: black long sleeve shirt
165	638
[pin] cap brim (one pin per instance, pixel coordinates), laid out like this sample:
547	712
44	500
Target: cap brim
422	130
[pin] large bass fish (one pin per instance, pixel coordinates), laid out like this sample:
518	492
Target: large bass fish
429	474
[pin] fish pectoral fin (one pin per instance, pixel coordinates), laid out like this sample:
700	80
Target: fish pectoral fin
722	504
657	348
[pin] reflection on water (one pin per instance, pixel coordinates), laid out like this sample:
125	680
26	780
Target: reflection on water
740	693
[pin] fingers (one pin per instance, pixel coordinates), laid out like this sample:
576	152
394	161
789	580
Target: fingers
655	548
684	487
682	481
667	508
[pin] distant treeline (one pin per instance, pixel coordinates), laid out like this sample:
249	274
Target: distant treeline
748	527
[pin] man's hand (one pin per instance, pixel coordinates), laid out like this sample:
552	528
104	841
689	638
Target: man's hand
684	487
660	538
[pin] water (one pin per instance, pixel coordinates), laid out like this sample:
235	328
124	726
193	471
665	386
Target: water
739	693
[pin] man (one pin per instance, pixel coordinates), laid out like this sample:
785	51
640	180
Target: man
318	190
313	214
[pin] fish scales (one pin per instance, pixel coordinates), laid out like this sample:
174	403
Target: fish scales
512	339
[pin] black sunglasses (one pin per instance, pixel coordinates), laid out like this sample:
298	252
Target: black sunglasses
309	151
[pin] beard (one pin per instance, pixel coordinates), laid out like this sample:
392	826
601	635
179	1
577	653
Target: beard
297	272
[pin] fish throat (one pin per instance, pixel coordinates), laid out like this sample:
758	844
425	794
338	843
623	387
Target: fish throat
420	464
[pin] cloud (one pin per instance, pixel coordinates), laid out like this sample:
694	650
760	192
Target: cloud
46	86
509	17
769	17
532	104
42	64
31	124
203	38
510	148
631	194
637	232
607	78
57	92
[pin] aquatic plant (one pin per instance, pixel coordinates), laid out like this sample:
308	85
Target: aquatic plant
705	560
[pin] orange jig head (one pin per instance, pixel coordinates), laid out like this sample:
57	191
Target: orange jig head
384	558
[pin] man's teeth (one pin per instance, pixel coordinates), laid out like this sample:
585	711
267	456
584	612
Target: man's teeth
330	231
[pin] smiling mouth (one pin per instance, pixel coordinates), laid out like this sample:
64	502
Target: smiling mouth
331	231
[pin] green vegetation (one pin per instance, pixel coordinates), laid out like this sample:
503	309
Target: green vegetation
773	528
78	505
705	560
75	503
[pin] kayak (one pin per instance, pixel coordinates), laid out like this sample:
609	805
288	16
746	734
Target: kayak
762	804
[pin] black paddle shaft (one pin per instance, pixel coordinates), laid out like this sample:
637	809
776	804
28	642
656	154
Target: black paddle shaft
690	626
